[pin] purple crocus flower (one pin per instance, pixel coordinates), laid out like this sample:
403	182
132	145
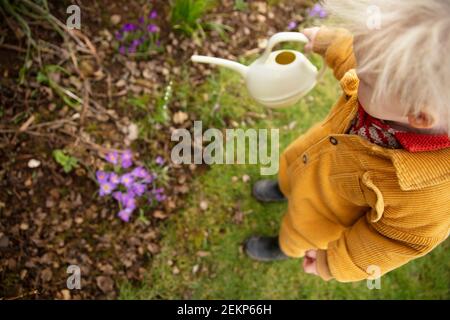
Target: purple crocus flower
102	176
139	172
159	194
118	196
136	42
158	190
141	20
323	14
127	159
112	157
129	201
153	14
292	25
119	35
159	160
125	214
106	188
138	189
127	180
114	178
122	50
152	28
317	11
129	27
160	197
148	178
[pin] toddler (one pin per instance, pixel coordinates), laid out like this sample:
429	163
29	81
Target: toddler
369	187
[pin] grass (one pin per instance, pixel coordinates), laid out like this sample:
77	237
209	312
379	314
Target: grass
186	14
209	241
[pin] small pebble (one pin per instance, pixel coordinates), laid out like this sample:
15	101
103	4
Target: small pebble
115	19
24	226
33	163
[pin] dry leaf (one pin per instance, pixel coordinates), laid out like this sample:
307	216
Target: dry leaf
202	254
195	269
106	284
66	294
238	217
158	214
133	132
203	205
180	117
115	19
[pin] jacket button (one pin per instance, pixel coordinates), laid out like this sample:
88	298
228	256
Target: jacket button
333	141
305	159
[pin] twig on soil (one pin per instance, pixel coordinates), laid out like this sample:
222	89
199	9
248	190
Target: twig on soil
74	59
34	292
113	95
12	47
86	91
31	133
51	48
26	124
88	144
28	128
53	124
109	90
88	43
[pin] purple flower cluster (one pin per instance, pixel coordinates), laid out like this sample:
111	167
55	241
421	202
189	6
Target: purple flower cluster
140	36
292	25
128	188
317	11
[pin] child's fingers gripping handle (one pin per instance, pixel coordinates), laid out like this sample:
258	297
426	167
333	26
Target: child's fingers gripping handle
311	34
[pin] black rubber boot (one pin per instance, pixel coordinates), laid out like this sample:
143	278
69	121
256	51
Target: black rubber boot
268	191
264	249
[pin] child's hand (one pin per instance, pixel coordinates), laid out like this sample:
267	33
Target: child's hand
311	34
310	262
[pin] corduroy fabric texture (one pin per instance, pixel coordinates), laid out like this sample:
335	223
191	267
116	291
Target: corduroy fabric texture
360	204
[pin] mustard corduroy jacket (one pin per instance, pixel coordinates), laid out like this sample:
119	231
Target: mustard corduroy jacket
366	208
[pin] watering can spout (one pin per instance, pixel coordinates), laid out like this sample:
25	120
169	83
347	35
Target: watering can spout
223	63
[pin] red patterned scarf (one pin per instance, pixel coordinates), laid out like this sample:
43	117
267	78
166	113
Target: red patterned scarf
380	133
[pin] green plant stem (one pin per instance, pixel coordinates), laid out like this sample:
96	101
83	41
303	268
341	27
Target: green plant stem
26	28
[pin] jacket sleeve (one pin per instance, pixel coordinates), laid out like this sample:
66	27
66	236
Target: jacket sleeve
335	45
375	245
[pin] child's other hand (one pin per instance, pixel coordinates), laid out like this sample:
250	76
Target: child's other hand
311	34
310	262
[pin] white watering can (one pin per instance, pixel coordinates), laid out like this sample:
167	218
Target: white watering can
276	79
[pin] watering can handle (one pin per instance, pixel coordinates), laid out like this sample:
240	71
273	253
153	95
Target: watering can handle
288	37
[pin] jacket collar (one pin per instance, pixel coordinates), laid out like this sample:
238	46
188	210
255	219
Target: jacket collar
414	170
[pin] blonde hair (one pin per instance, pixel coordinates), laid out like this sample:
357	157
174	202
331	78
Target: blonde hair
406	45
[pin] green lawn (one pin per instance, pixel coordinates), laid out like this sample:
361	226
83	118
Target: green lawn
210	241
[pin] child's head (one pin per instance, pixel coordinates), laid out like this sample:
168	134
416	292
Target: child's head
402	48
